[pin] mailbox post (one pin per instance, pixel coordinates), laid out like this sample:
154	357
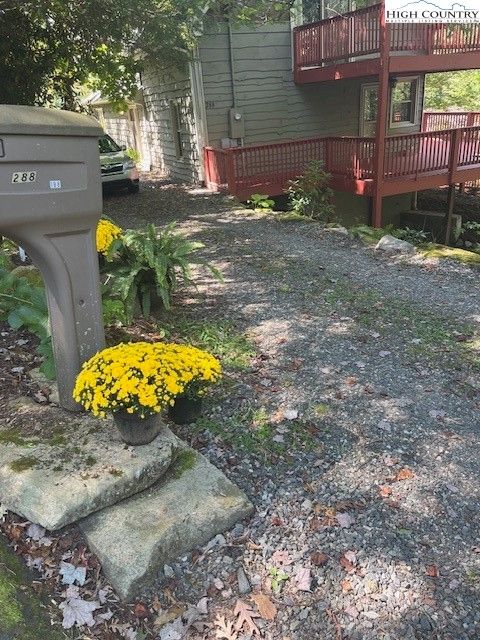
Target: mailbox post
50	203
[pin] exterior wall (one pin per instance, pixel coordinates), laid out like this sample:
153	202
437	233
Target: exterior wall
352	209
160	90
273	107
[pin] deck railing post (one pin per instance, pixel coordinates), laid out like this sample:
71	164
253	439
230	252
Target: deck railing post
470	119
230	171
455	141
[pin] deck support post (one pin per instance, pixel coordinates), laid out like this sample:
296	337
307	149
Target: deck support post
414	201
448	217
381	124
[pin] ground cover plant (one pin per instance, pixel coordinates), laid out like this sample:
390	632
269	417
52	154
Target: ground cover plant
310	194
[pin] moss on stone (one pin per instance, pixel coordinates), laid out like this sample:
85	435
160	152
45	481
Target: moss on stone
451	253
23	463
184	461
13	436
22	614
90	461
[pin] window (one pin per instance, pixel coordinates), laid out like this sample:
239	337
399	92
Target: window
176	118
403	105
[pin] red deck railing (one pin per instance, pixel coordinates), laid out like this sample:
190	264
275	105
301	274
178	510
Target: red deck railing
268	167
438	120
357	34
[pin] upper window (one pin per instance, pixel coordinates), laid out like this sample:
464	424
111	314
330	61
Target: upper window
403	106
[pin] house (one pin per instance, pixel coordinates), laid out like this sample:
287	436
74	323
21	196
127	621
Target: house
333	84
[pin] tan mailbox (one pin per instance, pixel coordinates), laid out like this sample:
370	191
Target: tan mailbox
50	203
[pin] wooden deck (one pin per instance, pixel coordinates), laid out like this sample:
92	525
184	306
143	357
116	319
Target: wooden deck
411	163
349	46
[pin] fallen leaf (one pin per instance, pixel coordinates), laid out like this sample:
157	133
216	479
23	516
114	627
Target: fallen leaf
173	630
265	606
77	611
141	611
404	474
281	558
71	574
318	558
277	522
347	564
303	579
346	585
225	629
385	491
345	520
432	571
351	380
245	614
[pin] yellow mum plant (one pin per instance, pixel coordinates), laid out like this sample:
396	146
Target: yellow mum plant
107	232
143	377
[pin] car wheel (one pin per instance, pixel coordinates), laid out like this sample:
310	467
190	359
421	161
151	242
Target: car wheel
134	187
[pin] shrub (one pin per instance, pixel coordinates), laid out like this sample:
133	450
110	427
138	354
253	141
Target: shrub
133	154
142	263
310	195
106	234
259	201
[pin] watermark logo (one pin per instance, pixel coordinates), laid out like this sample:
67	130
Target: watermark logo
440	11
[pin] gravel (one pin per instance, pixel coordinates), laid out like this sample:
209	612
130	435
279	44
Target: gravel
366	372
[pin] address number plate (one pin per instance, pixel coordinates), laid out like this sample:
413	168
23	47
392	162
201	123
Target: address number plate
24	176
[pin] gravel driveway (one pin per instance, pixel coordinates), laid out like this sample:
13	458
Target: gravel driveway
366	384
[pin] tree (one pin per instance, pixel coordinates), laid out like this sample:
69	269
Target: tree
48	48
453	90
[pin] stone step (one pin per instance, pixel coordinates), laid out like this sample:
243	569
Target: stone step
55	480
190	505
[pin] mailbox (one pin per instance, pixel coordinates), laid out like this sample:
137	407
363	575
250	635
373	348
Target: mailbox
50	203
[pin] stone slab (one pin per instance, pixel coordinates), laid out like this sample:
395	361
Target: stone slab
136	537
58	476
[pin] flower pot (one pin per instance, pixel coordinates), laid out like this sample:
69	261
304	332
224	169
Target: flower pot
136	430
185	410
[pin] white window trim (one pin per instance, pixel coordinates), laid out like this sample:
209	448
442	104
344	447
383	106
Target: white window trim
416	110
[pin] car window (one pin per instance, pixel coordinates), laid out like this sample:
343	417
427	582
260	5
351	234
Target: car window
107	145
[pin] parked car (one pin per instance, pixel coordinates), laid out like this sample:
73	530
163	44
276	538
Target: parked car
118	169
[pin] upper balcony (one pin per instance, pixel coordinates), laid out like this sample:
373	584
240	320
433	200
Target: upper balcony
349	46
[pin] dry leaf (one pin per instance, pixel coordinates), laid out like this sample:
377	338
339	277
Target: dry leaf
245	614
225	629
347	564
432	571
318	558
385	491
265	606
303	579
351	380
281	558
346	585
404	474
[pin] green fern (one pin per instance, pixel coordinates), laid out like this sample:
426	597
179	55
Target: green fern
144	262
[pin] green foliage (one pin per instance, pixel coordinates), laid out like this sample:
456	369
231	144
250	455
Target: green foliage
370	235
453	90
277	578
49	49
414	236
219	337
113	312
23	305
310	194
146	262
473	230
259	201
133	154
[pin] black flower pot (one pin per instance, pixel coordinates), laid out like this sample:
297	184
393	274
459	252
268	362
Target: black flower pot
185	410
137	430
